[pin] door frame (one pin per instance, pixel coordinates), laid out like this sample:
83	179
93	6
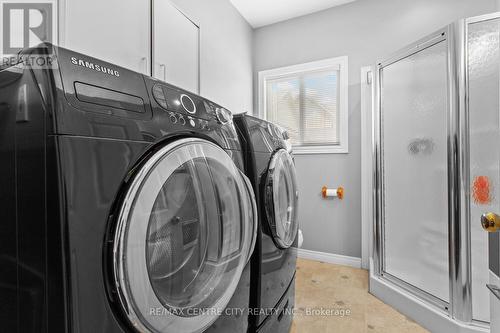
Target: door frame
367	87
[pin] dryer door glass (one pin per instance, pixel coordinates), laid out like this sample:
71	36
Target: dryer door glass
185	232
281	198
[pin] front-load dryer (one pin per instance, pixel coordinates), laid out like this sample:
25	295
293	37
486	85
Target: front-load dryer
270	166
124	206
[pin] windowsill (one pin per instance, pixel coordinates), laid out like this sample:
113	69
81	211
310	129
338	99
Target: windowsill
314	150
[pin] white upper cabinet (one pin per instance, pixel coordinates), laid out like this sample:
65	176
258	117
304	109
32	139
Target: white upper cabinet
175	46
117	31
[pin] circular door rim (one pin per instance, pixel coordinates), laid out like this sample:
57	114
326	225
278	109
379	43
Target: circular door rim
269	202
123	277
255	214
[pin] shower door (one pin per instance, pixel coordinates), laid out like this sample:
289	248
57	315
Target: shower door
483	69
437	167
413	169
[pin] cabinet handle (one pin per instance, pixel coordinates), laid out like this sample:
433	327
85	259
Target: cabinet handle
144	63
164	71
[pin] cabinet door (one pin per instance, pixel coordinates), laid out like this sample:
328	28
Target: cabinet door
117	31
175	46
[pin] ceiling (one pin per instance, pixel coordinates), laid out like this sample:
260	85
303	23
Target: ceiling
263	12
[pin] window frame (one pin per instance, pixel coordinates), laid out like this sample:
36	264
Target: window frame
337	63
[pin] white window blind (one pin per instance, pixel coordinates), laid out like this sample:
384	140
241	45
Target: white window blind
306	101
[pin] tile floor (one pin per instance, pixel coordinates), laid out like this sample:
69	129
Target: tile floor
341	289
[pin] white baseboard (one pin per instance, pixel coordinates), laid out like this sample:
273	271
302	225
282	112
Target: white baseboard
329	258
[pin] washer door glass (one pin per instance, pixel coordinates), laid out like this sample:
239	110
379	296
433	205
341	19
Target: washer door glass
281	199
185	232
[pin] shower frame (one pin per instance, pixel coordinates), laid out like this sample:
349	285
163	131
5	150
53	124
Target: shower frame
459	307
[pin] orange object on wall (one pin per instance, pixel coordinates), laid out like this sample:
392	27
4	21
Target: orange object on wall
323	191
481	191
340	193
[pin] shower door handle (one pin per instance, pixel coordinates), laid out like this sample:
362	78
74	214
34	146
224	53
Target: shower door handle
490	222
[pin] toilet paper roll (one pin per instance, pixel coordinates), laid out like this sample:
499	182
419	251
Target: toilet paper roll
331	192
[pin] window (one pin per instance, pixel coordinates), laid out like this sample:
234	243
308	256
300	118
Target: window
310	102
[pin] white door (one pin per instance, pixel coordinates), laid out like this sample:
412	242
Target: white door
117	31
175	46
185	230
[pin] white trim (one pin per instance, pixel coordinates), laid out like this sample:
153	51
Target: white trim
426	315
338	63
366	165
330	258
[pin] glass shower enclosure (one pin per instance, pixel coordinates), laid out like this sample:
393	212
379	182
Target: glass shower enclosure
436	156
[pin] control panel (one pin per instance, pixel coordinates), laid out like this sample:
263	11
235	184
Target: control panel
176	118
178	101
186	109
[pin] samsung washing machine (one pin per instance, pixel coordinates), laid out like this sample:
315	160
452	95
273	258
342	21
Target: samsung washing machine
124	207
269	165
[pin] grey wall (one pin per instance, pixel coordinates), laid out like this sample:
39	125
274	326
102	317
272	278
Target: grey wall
365	30
226	52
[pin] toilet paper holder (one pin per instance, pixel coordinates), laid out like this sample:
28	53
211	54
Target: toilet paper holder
332	192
